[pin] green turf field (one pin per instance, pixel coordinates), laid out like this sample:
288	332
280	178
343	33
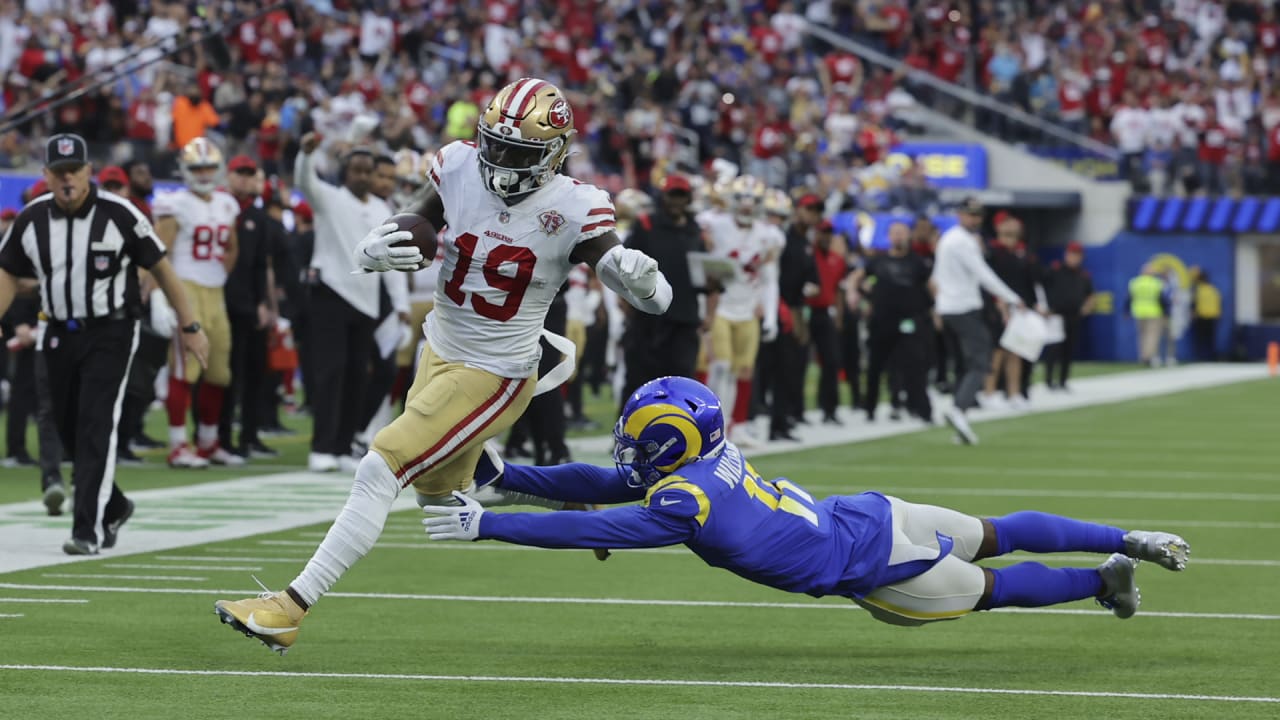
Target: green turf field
490	631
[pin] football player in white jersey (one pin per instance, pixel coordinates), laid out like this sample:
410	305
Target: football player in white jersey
198	226
511	228
748	304
715	203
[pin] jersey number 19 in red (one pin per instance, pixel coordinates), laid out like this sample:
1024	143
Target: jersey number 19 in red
513	285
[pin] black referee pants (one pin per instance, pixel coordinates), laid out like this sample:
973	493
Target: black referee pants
340	341
88	370
248	367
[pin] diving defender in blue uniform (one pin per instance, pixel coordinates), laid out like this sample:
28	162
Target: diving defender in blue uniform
907	564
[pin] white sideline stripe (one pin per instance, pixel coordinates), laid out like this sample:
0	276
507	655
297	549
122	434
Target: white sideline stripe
1094	559
206	568
1032	492
609	601
226	558
1077	472
41	601
653	682
1219	524
1043	558
73	576
11	615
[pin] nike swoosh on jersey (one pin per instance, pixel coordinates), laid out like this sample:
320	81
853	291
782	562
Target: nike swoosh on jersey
664	501
260	630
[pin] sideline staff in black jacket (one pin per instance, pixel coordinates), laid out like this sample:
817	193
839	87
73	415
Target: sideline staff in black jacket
667	344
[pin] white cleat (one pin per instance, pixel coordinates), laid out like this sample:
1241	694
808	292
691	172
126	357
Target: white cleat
1120	585
219	455
958	422
741	436
182	457
322	462
1164	549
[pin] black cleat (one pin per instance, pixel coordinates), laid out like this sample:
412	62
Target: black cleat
111	530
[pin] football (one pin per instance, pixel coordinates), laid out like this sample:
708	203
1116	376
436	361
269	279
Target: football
424	234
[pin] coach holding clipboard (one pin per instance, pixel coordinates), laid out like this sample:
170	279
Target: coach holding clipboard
83	246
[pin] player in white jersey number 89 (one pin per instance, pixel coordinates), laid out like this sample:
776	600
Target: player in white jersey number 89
511	229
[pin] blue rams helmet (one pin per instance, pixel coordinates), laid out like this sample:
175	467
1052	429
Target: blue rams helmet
667	423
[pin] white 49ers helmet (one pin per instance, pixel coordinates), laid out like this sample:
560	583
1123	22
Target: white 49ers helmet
524	137
199	155
746	194
777	203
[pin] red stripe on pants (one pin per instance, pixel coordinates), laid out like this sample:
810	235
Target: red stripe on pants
404	473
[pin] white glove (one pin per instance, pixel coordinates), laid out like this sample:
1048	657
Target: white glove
375	254
769	331
639	272
454	522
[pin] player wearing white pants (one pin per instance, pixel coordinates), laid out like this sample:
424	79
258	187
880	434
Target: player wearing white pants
946	591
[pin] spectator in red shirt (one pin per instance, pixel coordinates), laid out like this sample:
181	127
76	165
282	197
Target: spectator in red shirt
770	142
767	41
948	61
840	67
1269	31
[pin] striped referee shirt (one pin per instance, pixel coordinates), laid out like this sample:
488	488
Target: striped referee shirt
86	262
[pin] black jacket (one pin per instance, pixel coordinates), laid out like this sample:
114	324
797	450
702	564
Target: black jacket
1067	288
246	288
796	267
659	237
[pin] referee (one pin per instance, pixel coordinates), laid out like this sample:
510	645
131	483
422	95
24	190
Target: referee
84	246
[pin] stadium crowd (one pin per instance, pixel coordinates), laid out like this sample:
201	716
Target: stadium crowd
669	97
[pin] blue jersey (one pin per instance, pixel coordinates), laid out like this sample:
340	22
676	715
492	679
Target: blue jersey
771	532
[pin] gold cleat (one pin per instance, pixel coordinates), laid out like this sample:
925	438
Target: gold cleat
272	618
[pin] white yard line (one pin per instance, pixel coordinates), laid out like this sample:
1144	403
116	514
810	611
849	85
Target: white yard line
1058	493
230	559
1110	474
11	615
204	568
651	682
608	601
44	601
95	576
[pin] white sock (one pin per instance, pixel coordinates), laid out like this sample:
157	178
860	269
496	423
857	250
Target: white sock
177	436
207	435
354	532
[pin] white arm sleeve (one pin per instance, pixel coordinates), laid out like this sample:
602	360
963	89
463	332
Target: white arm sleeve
610	274
315	190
